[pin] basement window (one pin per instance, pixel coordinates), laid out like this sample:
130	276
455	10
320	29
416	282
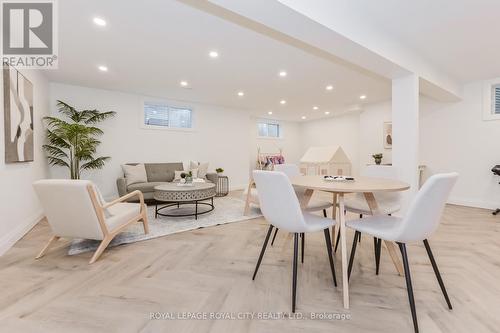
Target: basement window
491	99
495	99
269	129
160	115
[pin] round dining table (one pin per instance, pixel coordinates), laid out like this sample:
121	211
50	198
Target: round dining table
366	185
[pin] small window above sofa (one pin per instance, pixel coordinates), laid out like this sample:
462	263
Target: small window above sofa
159	115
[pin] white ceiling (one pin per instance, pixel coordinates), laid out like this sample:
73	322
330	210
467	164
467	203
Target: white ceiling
459	37
149	46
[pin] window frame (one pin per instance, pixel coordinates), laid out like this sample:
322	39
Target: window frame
488	100
270	122
169	104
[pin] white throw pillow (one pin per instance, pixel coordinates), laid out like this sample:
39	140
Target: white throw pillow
135	174
177	175
194	172
202	168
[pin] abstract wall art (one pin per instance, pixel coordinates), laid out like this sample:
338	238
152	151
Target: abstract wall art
388	135
18	116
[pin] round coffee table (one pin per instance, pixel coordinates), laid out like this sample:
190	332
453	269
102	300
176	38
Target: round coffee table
174	194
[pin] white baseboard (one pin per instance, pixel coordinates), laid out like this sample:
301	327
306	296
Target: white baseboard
237	187
8	240
473	203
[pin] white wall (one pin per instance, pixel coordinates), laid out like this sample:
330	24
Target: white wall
453	137
20	209
220	136
371	133
290	142
340	130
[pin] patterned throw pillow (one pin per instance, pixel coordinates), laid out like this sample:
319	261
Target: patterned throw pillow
202	168
177	175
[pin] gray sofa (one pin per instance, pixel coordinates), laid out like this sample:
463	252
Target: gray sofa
158	173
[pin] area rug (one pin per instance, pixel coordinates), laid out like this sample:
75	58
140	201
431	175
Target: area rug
227	210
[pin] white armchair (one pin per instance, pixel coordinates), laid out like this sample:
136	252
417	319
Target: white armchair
76	209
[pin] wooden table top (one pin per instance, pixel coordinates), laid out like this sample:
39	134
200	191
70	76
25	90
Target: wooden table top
359	185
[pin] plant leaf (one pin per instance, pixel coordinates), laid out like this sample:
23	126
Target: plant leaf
57	161
96	163
97	117
54	151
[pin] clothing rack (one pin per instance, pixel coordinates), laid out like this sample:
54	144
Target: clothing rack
267	160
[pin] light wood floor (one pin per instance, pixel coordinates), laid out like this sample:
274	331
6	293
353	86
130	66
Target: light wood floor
209	270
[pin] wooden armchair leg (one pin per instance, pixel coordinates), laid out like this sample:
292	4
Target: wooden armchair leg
47	246
104	244
145	220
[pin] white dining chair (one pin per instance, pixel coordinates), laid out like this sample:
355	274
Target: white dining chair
420	222
75	209
314	205
387	202
280	206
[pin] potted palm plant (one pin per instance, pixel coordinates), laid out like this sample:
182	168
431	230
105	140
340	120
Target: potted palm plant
72	142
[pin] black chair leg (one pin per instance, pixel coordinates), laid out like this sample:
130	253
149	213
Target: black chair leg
330	254
274	236
337	242
324	213
262	251
360	216
353	251
409	288
302	245
378	248
436	271
294	276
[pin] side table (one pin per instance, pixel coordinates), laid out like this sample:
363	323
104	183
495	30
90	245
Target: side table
222	186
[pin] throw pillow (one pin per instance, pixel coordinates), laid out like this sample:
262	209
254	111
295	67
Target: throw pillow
135	174
202	168
194	172
177	175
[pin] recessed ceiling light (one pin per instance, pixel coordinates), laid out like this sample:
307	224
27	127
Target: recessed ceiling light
283	74
103	68
329	87
241	93
362	97
282	102
327	112
270	112
184	83
213	54
304	117
99	21
315	108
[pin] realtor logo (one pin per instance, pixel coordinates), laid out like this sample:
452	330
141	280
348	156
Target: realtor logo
29	36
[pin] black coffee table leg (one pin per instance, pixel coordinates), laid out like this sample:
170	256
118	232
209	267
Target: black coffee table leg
156	209
196	210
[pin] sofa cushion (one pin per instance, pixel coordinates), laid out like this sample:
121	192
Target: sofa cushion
134	173
144	187
162	172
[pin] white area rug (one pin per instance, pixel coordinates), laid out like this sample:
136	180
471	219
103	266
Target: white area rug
227	210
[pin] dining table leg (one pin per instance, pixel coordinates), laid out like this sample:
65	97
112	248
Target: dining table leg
305	198
391	247
335	228
343	247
